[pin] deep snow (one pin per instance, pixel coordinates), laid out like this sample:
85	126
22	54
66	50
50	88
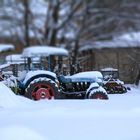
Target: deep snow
115	119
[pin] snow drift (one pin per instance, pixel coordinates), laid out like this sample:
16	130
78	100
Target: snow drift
8	99
25	132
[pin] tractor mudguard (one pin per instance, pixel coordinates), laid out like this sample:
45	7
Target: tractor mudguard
39	76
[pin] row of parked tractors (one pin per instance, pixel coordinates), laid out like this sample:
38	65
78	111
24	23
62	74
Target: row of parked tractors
37	74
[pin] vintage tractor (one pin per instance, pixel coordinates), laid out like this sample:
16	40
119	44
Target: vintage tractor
39	75
83	85
111	82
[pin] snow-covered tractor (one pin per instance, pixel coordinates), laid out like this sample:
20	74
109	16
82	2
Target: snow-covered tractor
83	85
111	81
39	71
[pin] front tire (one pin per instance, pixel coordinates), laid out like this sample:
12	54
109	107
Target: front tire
98	95
42	88
96	92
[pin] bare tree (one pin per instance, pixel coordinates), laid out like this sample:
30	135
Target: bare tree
88	20
73	23
26	22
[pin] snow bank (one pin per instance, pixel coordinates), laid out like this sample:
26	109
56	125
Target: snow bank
16	132
7	98
113	119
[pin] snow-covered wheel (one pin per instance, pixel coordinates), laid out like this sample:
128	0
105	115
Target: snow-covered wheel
42	88
96	92
98	95
124	89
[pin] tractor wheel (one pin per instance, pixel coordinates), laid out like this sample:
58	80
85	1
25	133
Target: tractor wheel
124	89
42	88
98	95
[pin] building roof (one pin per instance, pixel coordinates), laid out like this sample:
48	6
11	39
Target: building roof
6	47
123	41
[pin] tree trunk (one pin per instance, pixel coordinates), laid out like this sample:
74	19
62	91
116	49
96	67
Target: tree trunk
53	38
73	65
137	78
26	22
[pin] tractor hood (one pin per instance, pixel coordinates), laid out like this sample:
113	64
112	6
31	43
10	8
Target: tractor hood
89	76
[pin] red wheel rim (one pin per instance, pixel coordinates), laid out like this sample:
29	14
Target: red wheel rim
42	91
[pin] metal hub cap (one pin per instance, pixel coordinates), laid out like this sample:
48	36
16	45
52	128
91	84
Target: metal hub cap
41	93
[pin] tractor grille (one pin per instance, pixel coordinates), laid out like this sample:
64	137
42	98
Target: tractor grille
75	86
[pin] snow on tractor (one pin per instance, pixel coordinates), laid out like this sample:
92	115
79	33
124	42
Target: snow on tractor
83	85
39	75
111	83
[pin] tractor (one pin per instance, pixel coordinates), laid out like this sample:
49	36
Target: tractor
40	74
111	82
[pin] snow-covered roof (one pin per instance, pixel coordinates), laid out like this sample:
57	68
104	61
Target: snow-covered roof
34	51
6	47
4	66
123	41
14	58
132	36
109	69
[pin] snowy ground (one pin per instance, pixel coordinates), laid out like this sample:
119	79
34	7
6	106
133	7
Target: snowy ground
115	119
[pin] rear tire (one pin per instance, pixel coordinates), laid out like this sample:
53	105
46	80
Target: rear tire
42	88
